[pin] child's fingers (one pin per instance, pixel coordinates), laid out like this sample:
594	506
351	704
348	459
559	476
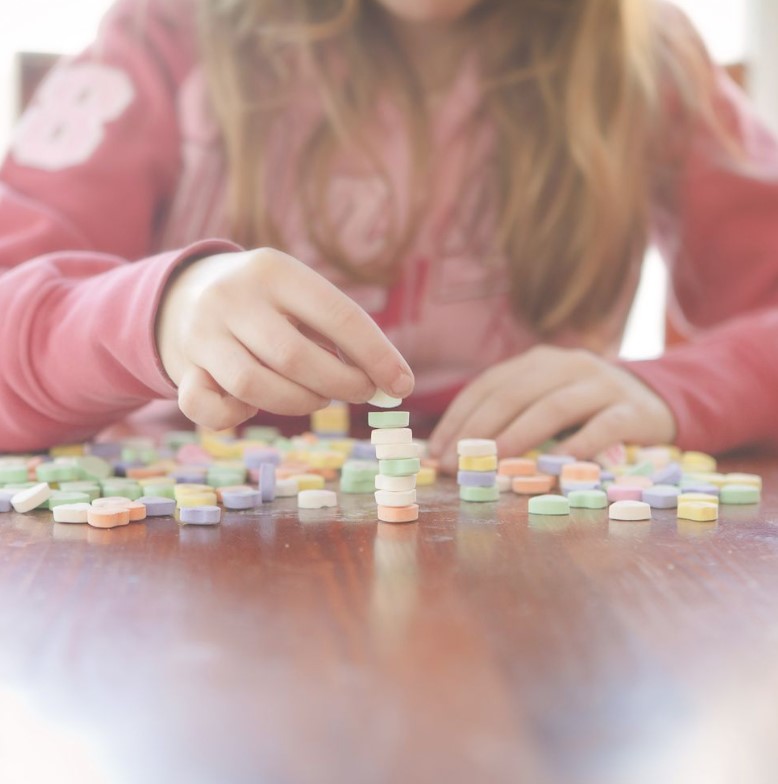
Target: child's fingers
239	373
201	400
562	408
613	424
320	305
282	347
501	394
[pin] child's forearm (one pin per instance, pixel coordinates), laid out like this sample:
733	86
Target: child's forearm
722	387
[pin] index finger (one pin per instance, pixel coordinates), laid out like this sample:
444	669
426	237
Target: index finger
322	306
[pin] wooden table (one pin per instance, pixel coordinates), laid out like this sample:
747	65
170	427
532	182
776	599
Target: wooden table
476	646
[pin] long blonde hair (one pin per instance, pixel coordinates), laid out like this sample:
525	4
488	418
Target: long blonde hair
577	92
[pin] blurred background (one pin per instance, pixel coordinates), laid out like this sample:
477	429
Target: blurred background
740	33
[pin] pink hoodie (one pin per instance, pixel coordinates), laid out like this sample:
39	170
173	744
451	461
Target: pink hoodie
116	175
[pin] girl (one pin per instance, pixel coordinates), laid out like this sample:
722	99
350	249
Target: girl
482	177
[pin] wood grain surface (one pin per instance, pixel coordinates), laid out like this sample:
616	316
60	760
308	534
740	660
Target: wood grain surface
479	645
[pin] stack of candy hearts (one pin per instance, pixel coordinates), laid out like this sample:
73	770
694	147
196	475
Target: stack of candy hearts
398	461
477	475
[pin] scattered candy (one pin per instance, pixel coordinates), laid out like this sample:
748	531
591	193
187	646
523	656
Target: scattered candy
629	510
316	499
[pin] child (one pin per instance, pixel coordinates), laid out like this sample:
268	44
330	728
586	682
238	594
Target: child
481	176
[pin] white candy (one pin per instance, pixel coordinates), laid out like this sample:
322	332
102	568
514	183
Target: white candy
395	483
286	488
476	447
70	513
629	510
395	498
27	500
503	483
391	435
382	400
316	499
396	451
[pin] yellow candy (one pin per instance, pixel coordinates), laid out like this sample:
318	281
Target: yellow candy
693	462
185	488
631	453
486	463
753	480
308	481
704	497
157	480
707	477
326	459
67	450
699	511
343	445
427	476
197	499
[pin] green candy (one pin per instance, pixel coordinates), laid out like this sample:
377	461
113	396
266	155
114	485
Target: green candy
175	439
142	454
58	472
478	494
58	498
388	418
261	433
9	474
548	505
645	468
357	486
94	467
162	490
587	499
219	476
92	489
401	466
131	490
360	470
739	494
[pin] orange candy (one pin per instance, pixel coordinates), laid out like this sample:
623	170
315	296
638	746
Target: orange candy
517	466
398	514
108	516
580	471
532	485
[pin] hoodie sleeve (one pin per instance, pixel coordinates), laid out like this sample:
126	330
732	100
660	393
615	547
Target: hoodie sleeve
89	173
721	245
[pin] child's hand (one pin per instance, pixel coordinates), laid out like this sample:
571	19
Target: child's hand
241	332
528	399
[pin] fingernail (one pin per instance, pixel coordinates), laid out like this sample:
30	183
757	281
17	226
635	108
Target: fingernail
403	385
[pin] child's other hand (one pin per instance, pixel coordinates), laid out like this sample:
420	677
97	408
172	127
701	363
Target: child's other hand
239	332
528	399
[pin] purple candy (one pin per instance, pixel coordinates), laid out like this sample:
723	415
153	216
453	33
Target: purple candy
476	478
701	487
240	499
661	496
607	476
5	500
552	464
669	475
267	482
107	450
158	505
189	476
200	515
363	450
255	458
